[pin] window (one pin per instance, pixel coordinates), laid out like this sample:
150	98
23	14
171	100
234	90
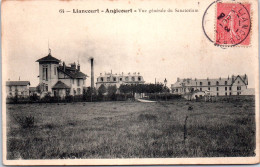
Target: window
200	83
67	92
200	89
102	79
55	70
217	83
230	88
78	91
126	78
230	93
217	88
46	88
225	82
139	78
237	93
108	79
78	82
208	88
176	90
114	79
45	73
225	88
226	94
238	82
239	88
208	83
217	94
133	78
120	79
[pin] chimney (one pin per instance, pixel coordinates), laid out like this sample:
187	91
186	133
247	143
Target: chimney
73	66
78	67
64	67
92	72
178	79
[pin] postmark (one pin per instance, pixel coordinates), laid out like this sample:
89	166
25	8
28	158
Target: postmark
232	24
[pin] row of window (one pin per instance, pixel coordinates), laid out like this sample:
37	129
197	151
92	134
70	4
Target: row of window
15	88
78	82
238	93
217	88
217	83
45	72
120	79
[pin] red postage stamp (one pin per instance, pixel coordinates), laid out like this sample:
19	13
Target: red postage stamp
233	24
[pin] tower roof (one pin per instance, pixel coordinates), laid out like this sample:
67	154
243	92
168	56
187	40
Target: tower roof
48	58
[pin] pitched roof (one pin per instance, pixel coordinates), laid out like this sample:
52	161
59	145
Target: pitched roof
60	85
17	83
73	73
33	89
48	58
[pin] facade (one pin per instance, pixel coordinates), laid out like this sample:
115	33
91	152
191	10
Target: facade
19	88
59	79
110	79
234	85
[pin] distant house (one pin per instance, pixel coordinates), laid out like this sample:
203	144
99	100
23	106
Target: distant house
234	85
110	79
33	91
59	79
17	88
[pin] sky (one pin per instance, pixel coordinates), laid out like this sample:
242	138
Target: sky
158	45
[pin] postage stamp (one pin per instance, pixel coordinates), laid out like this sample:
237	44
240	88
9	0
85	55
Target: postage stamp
233	24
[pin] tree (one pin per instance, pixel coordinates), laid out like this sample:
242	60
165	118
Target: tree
102	89
111	90
125	89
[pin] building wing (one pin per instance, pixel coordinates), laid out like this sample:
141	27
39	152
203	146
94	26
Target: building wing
60	85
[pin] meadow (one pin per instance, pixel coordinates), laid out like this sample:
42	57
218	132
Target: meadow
176	128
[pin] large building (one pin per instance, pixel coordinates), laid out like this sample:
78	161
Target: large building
17	88
233	85
110	79
59	79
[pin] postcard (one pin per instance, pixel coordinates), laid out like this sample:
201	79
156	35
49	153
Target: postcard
144	82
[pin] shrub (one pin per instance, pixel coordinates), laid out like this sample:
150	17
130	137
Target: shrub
34	97
25	122
149	117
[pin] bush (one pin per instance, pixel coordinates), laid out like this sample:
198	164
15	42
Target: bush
147	117
34	97
25	122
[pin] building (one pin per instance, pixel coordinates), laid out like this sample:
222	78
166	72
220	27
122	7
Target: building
33	91
19	88
110	79
217	87
59	79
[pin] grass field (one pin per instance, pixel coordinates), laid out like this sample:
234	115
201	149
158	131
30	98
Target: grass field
132	129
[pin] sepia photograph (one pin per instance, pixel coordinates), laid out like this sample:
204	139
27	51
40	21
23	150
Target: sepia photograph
142	82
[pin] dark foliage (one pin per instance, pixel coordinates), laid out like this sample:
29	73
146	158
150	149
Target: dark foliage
25	122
